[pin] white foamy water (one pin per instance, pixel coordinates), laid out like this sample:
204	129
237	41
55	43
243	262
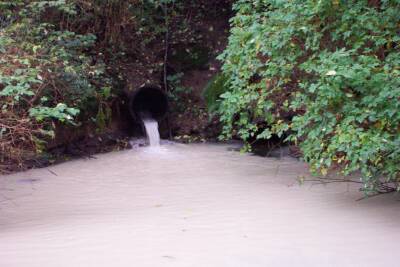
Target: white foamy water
152	133
190	205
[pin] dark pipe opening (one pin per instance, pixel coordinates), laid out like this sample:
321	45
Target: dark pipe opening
150	99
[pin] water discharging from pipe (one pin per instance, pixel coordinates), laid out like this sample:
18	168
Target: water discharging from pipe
151	127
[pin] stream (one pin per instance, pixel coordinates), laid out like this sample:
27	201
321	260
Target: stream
198	205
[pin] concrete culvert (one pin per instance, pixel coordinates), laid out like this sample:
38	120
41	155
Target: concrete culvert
148	99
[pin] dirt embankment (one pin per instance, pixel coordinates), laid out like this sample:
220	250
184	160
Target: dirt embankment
191	64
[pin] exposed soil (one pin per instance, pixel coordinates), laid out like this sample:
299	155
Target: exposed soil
195	120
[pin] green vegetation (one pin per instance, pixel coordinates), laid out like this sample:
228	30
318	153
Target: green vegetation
59	66
46	76
324	73
214	89
65	65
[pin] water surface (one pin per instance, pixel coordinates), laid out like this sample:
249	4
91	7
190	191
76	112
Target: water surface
189	205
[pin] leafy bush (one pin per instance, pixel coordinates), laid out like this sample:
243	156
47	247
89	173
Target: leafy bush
46	76
327	74
66	61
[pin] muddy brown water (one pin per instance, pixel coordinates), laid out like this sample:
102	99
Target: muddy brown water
199	205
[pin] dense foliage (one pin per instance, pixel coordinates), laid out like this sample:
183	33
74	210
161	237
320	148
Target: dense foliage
56	66
44	76
66	66
326	75
322	74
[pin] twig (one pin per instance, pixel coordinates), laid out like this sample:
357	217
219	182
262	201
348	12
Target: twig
383	188
50	171
375	195
166	52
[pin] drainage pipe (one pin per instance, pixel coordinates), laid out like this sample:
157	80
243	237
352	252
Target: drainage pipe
150	99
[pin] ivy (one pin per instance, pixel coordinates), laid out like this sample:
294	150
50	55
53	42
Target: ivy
323	73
